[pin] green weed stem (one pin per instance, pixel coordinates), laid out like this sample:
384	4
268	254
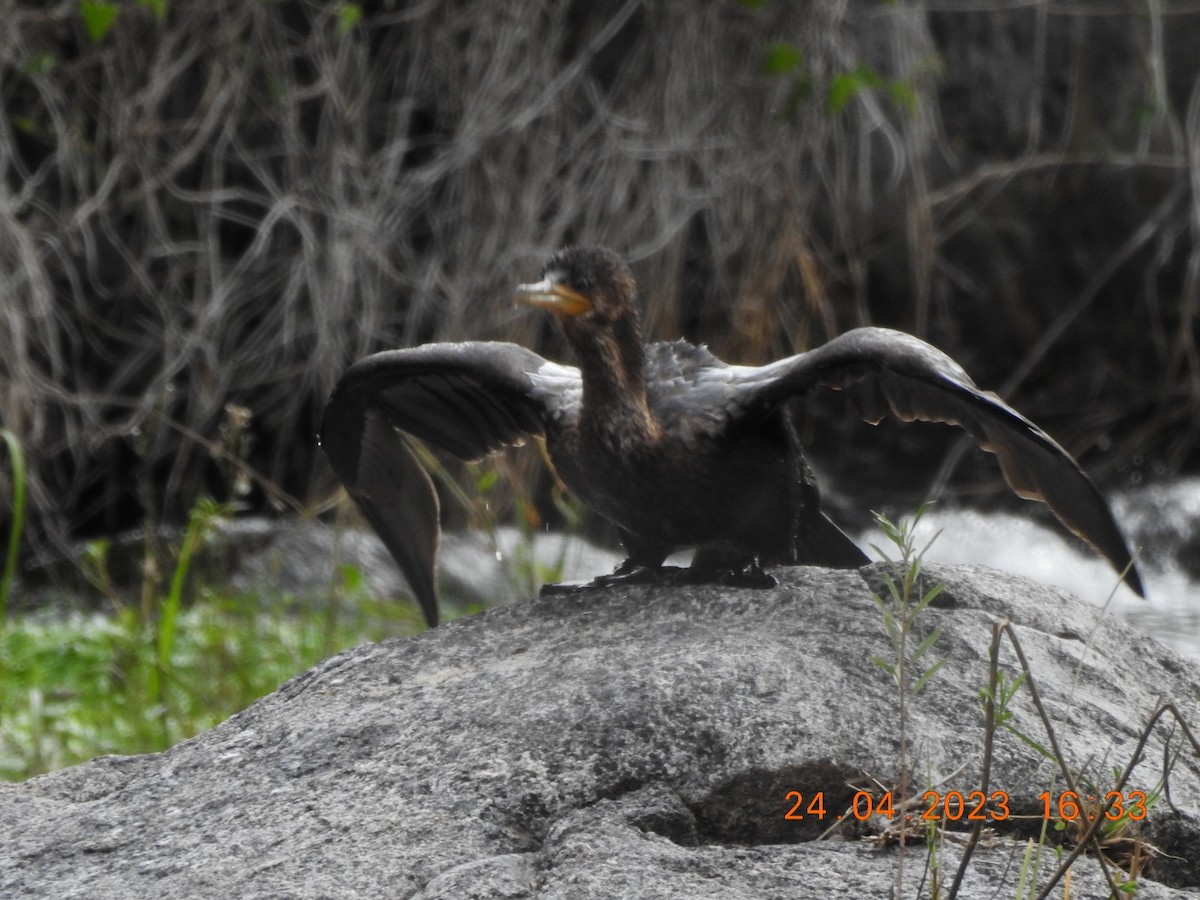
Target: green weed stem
18	521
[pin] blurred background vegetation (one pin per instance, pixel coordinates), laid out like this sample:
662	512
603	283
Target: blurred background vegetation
208	210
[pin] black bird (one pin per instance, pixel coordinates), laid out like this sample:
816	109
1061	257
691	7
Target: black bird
675	447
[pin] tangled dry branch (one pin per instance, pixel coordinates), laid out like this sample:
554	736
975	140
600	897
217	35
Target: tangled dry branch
229	205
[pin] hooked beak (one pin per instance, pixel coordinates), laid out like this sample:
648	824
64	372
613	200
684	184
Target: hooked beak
555	296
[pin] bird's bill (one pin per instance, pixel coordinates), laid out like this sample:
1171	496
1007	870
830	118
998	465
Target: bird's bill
554	296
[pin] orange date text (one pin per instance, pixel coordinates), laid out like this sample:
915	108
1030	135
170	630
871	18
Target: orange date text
971	806
953	806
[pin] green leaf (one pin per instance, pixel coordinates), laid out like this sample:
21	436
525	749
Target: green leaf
893	590
929	597
486	480
16	457
892	629
926	644
921	511
349	15
39	64
844	86
883	664
1011	689
1028	741
352	577
98	17
883	555
782	58
905	97
926	675
158	7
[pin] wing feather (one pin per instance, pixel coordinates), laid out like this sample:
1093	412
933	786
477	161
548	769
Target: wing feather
468	399
884	370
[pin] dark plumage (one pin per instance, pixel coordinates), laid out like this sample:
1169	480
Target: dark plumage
675	447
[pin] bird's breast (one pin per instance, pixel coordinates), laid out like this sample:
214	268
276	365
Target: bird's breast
682	487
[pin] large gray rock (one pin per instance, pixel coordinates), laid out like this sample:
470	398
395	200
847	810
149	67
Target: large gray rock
621	743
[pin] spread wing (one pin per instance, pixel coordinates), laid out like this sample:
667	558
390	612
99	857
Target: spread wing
886	370
468	399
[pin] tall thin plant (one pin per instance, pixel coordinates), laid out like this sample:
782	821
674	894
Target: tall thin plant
899	616
17	460
203	518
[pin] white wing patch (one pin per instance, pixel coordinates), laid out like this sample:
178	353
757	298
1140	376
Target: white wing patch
560	388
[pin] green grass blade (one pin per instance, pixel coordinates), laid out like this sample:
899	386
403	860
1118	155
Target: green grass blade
1028	741
926	675
17	459
929	596
926	644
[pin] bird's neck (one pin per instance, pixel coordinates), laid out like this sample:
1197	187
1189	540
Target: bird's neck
613	366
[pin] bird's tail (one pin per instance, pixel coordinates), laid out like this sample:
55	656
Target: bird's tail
819	542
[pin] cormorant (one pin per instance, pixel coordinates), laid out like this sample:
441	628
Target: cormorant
674	446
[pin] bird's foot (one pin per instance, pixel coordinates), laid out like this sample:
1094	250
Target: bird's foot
624	574
747	575
637	574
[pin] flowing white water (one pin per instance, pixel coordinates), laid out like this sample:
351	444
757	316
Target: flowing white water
1162	523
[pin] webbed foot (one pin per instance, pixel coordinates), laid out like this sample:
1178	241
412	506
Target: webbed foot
742	573
628	572
748	575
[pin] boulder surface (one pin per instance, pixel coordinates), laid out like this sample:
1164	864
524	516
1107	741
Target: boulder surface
633	742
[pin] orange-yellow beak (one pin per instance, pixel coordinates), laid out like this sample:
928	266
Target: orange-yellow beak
555	296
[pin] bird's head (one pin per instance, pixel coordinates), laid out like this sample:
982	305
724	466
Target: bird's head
587	288
594	298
